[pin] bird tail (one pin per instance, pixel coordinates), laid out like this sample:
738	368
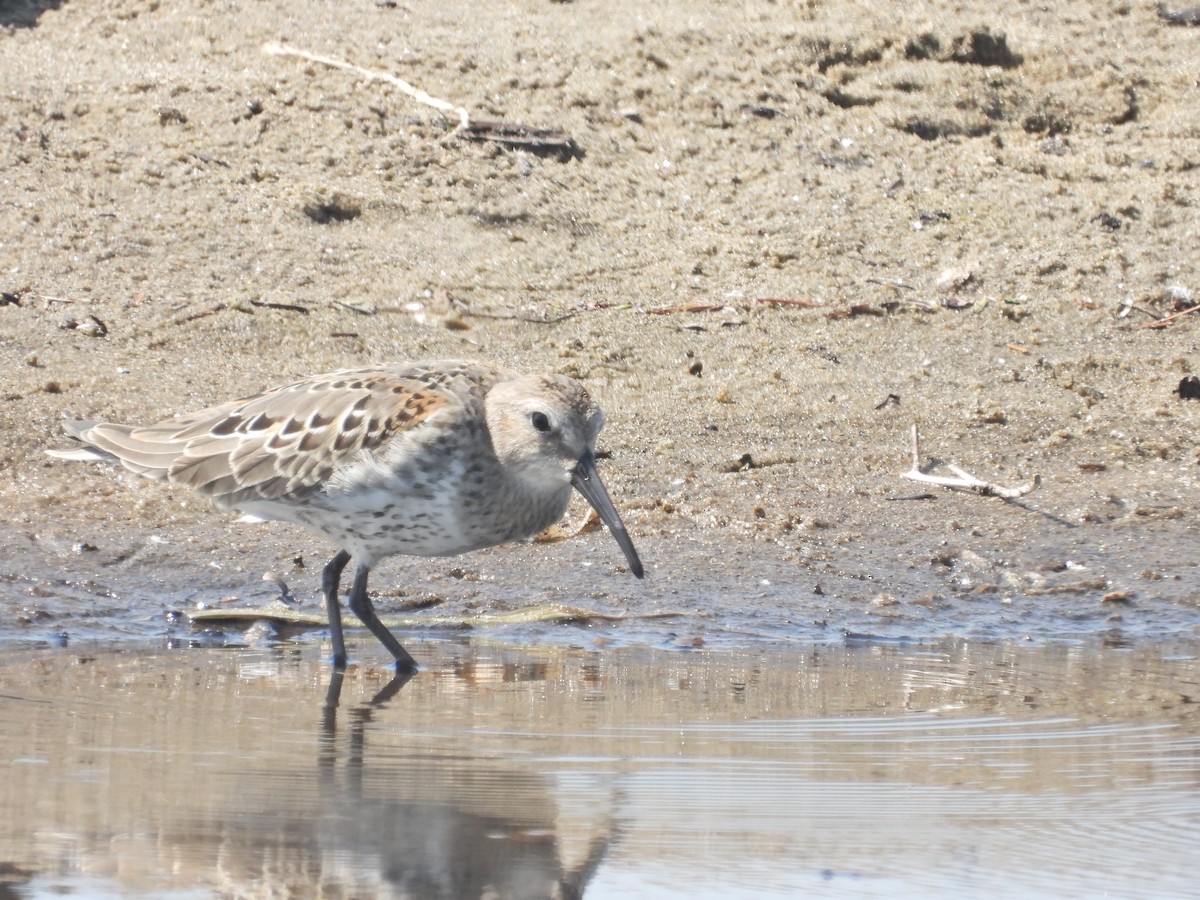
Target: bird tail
106	442
78	428
82	454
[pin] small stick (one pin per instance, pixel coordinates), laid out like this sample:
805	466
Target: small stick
286	307
789	301
701	307
192	317
533	320
964	481
464	117
1166	320
688	307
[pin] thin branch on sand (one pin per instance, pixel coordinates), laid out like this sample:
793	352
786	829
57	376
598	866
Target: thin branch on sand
551	142
464	117
1167	320
963	481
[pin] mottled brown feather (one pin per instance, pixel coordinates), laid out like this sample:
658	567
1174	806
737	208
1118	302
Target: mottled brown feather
262	446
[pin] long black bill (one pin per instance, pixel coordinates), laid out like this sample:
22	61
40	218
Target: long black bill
586	480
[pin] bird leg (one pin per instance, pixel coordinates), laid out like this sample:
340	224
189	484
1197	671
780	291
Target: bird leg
329	586
360	605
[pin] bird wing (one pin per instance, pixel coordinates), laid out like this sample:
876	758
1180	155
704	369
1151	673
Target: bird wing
285	443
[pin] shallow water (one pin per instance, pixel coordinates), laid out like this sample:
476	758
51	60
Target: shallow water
950	770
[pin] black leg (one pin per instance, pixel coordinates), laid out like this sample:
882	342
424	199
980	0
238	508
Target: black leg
329	586
360	605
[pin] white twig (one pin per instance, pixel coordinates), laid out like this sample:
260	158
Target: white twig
964	481
464	117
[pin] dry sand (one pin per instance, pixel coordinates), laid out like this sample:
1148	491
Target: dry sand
188	219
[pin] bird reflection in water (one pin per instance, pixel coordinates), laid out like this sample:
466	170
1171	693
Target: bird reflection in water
438	825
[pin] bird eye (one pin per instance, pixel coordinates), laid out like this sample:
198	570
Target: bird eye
540	421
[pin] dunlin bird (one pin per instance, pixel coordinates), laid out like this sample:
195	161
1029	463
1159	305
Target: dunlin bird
423	459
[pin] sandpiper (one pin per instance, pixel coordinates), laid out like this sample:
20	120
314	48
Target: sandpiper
423	459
